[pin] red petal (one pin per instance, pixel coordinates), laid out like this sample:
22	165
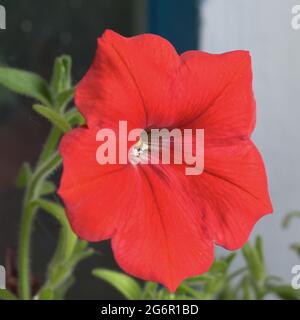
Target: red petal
95	196
108	92
233	191
220	90
132	78
163	239
143	80
155	236
153	63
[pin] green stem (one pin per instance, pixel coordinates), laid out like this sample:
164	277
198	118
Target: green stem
50	145
24	274
32	191
236	273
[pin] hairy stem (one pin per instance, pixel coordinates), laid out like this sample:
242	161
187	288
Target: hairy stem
32	191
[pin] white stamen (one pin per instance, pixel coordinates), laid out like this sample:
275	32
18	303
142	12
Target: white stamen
138	152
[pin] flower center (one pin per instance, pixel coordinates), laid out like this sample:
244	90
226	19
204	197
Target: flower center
138	153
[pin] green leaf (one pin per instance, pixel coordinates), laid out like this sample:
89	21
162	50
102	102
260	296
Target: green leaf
46	294
214	286
25	83
78	256
246	288
296	247
181	297
81	246
53	116
61	78
254	262
61	269
149	290
64	98
47	187
237	273
74	117
285	292
7	295
271	280
123	283
259	248
189	291
230	258
61	291
202	278
24	175
228	293
219	266
55	209
289	217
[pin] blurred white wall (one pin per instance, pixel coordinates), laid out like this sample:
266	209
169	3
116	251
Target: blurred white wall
264	28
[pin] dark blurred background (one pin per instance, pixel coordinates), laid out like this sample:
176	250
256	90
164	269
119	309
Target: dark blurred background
37	32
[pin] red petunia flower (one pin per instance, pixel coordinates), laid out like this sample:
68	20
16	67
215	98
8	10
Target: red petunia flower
162	223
